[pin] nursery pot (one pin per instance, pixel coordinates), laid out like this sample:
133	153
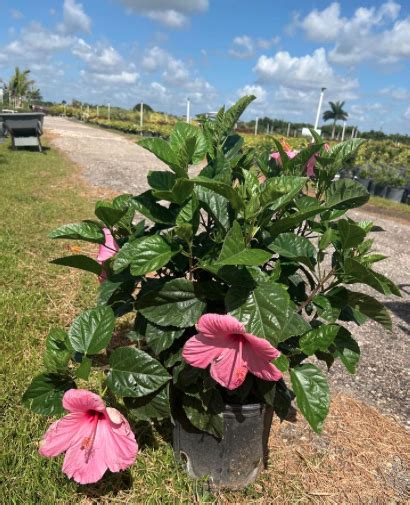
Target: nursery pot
364	182
395	194
380	190
233	461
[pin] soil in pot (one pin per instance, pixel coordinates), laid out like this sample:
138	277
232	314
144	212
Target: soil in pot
233	461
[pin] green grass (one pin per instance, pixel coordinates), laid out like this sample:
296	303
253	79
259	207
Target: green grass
38	192
401	209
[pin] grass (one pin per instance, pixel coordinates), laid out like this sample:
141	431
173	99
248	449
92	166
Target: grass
361	453
388	208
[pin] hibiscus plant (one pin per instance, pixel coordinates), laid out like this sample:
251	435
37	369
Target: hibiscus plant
222	288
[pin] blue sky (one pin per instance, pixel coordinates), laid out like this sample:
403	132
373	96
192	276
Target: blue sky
213	51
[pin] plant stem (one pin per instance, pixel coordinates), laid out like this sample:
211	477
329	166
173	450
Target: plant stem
317	289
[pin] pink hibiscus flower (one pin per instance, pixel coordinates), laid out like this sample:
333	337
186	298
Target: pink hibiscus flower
276	156
106	251
94	437
223	343
310	165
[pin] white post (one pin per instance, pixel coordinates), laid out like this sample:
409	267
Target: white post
256	126
352	135
141	114
288	132
322	92
343	131
109	112
65	109
97	110
188	103
88	110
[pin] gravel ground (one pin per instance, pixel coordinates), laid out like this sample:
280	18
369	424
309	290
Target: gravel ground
112	161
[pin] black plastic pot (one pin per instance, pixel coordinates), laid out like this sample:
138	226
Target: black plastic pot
364	182
235	460
395	194
380	190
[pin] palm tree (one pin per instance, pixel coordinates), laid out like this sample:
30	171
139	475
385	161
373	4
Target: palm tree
20	85
336	113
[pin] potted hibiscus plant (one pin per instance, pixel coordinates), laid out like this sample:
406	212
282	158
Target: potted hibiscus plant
234	284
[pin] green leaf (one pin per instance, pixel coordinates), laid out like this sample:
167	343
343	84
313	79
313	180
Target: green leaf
347	349
370	307
356	272
215	205
153	406
135	373
278	191
108	214
292	221
234	251
164	152
325	309
351	235
45	393
159	338
292	246
189	143
174	304
147	205
57	353
266	311
318	339
178	194
312	394
92	330
83	371
161	180
150	253
346	194
189	213
232	115
205	421
87	230
339	152
281	363
221	189
326	239
81	262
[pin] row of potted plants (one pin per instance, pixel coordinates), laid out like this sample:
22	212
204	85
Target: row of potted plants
386	181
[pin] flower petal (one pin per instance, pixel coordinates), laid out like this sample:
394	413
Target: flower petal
257	354
81	400
229	369
64	433
109	248
200	351
217	325
120	446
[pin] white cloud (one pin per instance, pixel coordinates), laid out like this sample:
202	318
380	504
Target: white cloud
74	18
15	14
173	70
99	59
304	72
396	92
253	89
115	78
406	114
244	47
171	13
370	34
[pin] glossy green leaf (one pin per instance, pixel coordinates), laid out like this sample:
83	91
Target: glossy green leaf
57	353
153	406
92	330
222	189
266	311
346	194
370	307
159	338
205	421
165	153
148	206
45	393
174	304
351	235
215	205
312	394
87	230
343	150
278	191
81	262
347	349
189	213
234	251
318	339
161	180
108	214
189	143
292	221
151	253
325	309
178	194
83	371
295	247
135	373
357	272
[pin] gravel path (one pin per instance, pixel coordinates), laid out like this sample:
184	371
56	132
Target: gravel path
112	161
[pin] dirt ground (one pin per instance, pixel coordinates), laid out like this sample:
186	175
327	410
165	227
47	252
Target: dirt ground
114	162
